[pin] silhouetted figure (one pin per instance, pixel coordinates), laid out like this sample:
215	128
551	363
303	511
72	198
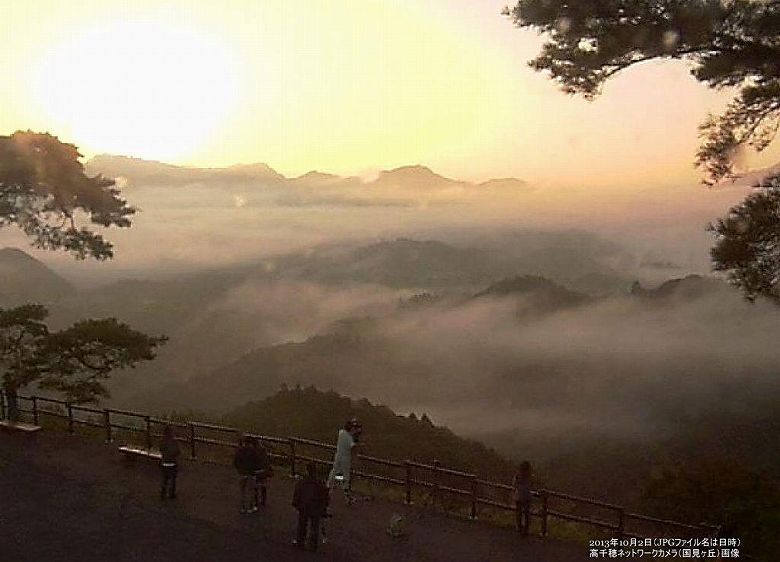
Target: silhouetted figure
262	471
311	500
435	496
170	451
246	462
521	494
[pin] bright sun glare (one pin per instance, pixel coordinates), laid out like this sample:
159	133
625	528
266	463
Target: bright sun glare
139	88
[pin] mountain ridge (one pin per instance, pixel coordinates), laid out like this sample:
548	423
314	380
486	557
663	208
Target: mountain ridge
153	172
26	279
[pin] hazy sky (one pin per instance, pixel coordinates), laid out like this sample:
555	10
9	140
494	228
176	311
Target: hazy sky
347	86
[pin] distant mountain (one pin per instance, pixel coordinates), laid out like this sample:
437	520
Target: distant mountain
147	172
414	178
308	412
215	317
505	184
412	263
406	182
689	287
526	284
354	356
399	263
25	279
315	178
542	294
431	264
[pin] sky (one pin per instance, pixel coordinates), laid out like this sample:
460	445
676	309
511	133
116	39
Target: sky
343	86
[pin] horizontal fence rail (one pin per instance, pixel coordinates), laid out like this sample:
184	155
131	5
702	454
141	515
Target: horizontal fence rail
408	475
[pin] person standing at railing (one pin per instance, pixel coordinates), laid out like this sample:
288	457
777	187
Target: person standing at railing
262	471
342	460
170	451
245	460
435	497
521	494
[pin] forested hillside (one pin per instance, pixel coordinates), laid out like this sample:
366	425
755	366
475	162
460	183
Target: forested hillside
311	413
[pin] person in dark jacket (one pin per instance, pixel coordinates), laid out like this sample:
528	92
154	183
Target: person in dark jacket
170	451
311	500
246	462
521	494
262	471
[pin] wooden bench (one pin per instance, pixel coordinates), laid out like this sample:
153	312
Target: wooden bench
131	451
20	426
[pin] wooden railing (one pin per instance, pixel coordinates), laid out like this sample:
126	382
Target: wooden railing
408	475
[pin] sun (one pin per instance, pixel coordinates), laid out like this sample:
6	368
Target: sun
138	88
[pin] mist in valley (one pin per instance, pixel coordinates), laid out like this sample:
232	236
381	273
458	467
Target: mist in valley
539	232
505	311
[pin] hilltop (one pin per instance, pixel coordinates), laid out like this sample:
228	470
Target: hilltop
150	172
542	294
318	415
685	288
25	279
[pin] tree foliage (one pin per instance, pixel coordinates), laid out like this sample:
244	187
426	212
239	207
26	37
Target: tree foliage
748	245
747	500
45	192
729	43
74	361
22	331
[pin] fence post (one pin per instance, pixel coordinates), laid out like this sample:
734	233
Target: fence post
148	421
408	482
292	456
69	406
473	497
192	439
545	509
621	523
34	400
107	422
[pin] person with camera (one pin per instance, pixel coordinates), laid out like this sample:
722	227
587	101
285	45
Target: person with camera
347	439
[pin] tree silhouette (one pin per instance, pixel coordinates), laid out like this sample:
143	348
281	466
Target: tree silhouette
729	42
74	361
733	43
45	192
748	245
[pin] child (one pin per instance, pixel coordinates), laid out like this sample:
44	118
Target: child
521	494
169	449
311	501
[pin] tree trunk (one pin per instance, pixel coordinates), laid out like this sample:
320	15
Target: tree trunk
12	401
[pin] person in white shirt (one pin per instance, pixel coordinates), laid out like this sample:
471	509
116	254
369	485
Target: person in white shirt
342	460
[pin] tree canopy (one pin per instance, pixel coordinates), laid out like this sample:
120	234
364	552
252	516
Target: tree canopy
748	245
45	192
729	43
74	361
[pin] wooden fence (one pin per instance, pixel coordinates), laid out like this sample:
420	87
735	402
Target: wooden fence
407	475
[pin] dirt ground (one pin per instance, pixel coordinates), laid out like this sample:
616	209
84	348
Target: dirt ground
73	498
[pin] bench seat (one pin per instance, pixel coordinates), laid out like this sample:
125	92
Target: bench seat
20	426
130	450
